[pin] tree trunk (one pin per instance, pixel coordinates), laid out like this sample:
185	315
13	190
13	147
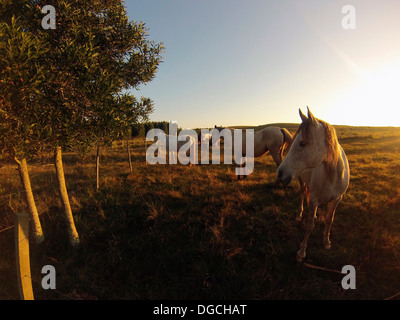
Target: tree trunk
30	200
98	168
129	156
73	234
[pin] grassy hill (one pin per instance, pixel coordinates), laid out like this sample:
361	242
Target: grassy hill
289	126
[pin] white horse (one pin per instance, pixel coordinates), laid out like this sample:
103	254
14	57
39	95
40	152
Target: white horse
270	139
318	159
189	146
208	137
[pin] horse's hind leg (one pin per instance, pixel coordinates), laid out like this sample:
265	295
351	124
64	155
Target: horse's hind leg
238	176
241	166
330	213
312	210
276	156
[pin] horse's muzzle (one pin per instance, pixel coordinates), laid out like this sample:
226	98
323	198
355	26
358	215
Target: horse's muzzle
283	178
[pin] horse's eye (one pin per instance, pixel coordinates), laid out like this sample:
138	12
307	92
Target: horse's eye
302	143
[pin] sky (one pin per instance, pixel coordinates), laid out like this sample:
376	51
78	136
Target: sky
254	62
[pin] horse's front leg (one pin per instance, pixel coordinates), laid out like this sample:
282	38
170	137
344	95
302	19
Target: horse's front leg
241	166
330	213
299	216
192	157
312	210
303	194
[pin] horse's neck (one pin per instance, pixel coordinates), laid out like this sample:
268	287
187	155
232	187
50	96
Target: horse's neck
329	184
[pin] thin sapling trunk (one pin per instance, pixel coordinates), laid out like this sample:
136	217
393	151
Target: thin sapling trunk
73	234
30	200
98	168
129	156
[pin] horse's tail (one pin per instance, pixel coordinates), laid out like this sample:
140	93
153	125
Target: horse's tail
287	139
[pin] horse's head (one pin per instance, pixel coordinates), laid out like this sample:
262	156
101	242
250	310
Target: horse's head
218	128
308	150
217	133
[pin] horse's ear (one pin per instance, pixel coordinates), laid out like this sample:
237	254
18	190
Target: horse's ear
302	116
311	116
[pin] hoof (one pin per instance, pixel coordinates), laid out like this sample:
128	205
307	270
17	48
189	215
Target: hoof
327	246
299	218
300	256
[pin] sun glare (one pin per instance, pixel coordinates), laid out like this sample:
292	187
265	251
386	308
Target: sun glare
375	99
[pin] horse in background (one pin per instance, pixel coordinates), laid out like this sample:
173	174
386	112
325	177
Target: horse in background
270	139
317	158
189	146
207	137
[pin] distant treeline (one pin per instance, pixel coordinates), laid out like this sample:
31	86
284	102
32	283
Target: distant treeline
141	129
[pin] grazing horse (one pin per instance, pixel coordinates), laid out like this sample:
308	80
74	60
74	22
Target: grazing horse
270	139
207	137
318	159
189	146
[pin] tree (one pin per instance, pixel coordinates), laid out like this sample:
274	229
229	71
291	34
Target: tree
148	126
94	54
138	130
21	127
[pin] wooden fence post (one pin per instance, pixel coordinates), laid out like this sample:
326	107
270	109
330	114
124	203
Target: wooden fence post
129	157
145	150
22	256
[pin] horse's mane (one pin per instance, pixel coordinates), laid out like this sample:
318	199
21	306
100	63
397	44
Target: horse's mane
331	143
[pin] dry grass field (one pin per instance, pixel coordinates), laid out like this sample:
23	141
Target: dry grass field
180	232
